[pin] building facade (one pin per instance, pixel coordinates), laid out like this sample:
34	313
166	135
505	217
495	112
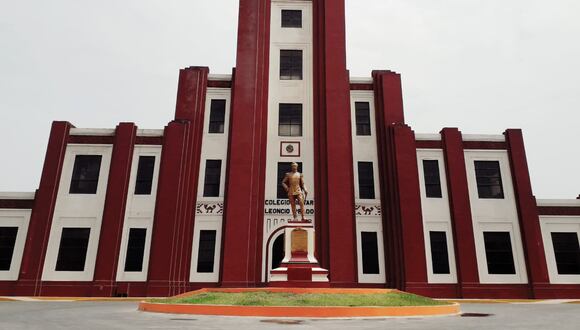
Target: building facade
133	212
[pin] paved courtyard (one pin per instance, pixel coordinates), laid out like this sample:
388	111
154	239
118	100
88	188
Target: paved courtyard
124	315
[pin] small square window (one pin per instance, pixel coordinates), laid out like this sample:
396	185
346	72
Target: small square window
499	253
567	252
291	18
85	177
489	182
72	252
290	64
290	120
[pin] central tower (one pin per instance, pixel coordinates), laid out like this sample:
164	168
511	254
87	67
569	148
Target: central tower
291	104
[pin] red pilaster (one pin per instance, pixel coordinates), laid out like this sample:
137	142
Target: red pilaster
172	240
528	212
409	208
389	96
333	154
244	200
114	210
41	219
459	204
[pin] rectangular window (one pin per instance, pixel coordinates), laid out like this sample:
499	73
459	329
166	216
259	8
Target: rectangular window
290	119
499	253
145	170
85	178
72	252
284	168
439	252
370	252
290	64
432	179
363	118
489	183
206	251
366	180
217	116
135	250
213	172
567	252
291	18
7	241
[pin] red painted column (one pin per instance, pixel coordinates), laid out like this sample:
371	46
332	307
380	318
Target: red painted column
409	208
246	169
333	154
172	239
528	213
389	96
29	283
114	211
460	206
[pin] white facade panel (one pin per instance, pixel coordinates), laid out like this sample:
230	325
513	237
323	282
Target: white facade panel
558	224
16	219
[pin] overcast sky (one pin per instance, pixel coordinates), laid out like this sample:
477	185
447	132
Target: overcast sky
480	65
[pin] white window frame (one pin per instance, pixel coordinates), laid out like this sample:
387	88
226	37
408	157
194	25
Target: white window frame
370	225
558	224
443	226
21	220
206	223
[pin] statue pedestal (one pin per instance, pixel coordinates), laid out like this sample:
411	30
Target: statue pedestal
299	268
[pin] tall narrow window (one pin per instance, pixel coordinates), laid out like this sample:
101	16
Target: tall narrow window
567	252
291	65
432	179
283	168
7	241
217	116
489	183
72	252
213	171
363	118
135	250
290	119
366	180
370	252
291	18
439	252
499	253
85	178
145	170
206	252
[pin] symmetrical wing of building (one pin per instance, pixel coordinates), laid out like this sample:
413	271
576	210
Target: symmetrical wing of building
135	212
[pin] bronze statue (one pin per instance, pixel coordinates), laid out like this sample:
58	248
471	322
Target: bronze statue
293	183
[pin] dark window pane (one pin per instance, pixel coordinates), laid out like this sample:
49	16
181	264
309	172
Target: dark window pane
366	181
278	252
206	252
489	183
213	171
567	252
363	118
72	252
439	252
135	250
370	252
498	250
7	241
291	65
217	116
290	120
432	179
284	168
85	178
145	175
291	18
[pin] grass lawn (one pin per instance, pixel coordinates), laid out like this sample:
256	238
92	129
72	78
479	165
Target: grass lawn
291	299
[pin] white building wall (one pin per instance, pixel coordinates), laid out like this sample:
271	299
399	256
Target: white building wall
139	213
77	211
495	215
19	219
367	211
558	224
288	91
436	215
209	210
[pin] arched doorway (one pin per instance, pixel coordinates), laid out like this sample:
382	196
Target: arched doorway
277	252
